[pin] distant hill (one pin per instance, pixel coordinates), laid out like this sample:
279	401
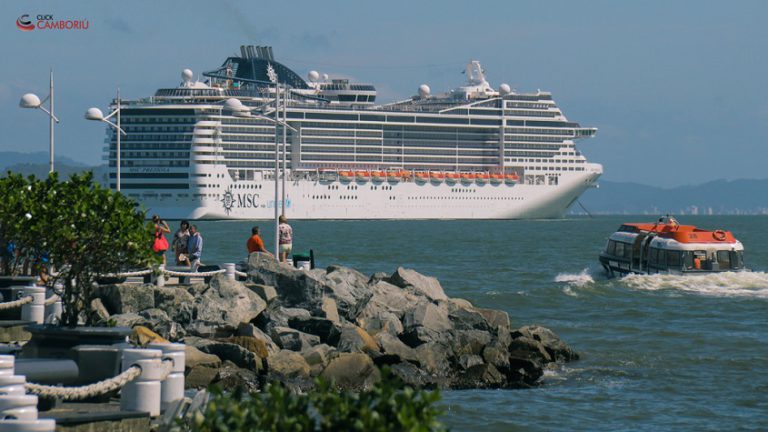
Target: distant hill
37	164
715	197
9	159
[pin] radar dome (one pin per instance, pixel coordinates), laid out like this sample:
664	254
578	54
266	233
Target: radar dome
234	104
187	75
424	90
325	77
313	75
505	89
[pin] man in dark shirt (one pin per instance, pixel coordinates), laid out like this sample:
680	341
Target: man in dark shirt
255	243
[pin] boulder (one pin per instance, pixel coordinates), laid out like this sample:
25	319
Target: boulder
497	355
177	302
292	339
266	292
466	318
382	321
480	375
226	304
278	316
318	358
231	377
250	330
413	376
327	330
349	288
427	322
233	352
354	371
329	310
252	344
295	288
126	298
469	341
289	364
355	339
157	320
434	358
377	277
420	284
495	318
390	298
193	357
199	377
127	320
143	336
467	361
392	345
557	349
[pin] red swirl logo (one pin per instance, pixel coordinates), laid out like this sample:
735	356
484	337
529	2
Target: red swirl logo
24	24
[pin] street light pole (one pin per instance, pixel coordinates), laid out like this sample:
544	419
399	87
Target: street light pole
277	167
97	115
117	175
52	117
285	144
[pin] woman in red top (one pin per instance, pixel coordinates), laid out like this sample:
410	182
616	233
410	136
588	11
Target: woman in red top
160	244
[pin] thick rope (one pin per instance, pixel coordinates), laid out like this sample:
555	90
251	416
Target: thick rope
193	274
129	274
87	391
16	303
241	274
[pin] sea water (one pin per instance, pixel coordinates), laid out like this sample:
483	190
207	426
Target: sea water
658	353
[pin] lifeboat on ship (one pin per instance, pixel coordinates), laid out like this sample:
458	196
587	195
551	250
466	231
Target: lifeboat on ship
405	174
467	177
346	175
497	178
393	176
511	178
363	175
436	177
421	176
482	178
670	248
378	175
451	178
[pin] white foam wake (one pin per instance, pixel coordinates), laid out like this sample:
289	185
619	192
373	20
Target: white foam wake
726	284
576	279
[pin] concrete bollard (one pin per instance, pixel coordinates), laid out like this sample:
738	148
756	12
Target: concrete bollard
12	385
173	385
22	407
40	425
229	270
143	393
34	311
53	310
159	279
7	364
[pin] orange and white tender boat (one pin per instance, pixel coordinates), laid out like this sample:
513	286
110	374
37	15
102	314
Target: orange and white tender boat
670	248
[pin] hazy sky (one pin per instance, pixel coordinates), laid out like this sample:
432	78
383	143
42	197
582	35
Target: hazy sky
677	89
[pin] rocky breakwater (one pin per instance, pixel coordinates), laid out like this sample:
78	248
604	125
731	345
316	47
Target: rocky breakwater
293	325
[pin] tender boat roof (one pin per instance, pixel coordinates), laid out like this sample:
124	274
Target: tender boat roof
681	233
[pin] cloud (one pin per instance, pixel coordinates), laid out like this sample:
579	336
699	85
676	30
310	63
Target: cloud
313	41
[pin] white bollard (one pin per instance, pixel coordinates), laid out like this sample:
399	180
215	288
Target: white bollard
160	278
7	364
34	311
229	269
40	425
22	407
173	385
143	393
53	310
12	385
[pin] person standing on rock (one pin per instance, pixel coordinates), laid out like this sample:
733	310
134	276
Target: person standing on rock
194	247
286	238
255	243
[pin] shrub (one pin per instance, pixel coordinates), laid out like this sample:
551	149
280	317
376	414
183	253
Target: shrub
77	226
388	406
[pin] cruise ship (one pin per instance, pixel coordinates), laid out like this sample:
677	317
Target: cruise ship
253	134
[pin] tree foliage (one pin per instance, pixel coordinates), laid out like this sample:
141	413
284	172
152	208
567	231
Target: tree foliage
389	406
76	226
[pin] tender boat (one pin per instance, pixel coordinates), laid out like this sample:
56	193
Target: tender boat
670	248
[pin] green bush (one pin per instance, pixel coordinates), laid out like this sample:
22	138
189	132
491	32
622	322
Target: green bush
80	228
389	406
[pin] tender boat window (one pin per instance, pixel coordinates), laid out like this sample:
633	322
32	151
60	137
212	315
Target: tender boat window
653	257
610	248
619	249
627	251
662	258
673	259
688	259
724	259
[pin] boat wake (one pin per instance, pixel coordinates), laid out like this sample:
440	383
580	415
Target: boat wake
725	284
576	279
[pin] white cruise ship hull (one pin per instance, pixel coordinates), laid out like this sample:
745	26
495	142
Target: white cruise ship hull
380	199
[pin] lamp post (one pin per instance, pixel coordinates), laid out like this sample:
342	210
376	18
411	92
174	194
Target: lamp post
30	100
240	110
97	115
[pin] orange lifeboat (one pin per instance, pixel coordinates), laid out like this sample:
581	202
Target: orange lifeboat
421	176
363	175
511	178
405	174
482	177
378	175
467	177
393	175
451	177
436	176
346	175
497	178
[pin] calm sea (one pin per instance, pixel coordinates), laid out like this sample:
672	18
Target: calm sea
659	353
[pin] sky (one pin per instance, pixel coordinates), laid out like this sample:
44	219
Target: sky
678	90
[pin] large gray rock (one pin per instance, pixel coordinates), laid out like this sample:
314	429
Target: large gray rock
469	341
226	304
266	292
392	345
466	318
233	352
434	358
555	347
250	330
126	298
289	364
355	339
295	288
327	330
349	288
381	321
231	377
193	357
177	302
159	322
423	285
354	371
386	308
129	320
427	322
294	340
278	316
318	358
